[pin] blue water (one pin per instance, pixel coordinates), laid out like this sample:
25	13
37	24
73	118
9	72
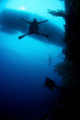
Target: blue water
24	65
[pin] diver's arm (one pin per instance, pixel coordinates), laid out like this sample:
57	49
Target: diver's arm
25	21
42	22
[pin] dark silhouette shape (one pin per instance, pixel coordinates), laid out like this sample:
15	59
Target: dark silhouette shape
50	84
33	28
64	52
50	60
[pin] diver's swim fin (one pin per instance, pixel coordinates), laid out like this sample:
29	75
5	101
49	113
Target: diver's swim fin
20	37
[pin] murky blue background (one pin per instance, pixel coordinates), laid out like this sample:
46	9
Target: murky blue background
24	65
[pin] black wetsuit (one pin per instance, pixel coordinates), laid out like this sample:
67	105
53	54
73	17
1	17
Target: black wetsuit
33	28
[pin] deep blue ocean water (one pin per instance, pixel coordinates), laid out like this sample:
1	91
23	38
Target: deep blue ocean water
24	66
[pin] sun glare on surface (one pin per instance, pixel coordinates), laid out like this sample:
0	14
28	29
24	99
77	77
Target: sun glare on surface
22	8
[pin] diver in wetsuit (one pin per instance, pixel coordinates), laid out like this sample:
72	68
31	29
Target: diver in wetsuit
33	29
50	84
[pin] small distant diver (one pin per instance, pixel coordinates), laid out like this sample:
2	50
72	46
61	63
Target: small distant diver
50	84
50	60
33	29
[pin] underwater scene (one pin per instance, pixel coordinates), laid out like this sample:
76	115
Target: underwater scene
31	44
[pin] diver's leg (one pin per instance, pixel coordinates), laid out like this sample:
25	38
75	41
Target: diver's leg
20	37
47	36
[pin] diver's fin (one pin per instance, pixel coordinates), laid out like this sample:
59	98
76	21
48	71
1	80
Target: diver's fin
20	37
58	87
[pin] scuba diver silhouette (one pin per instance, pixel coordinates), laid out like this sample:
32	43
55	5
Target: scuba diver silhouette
33	28
49	60
50	84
